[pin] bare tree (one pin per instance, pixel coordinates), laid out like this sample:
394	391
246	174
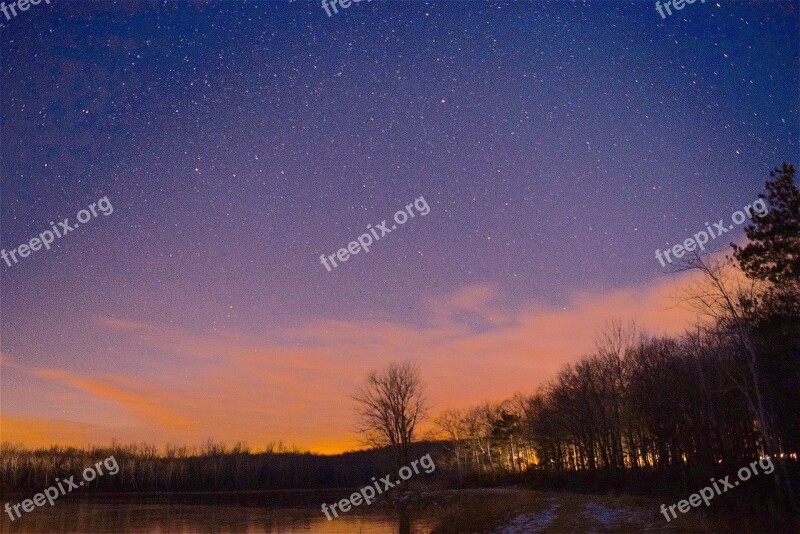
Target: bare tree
454	428
390	406
733	305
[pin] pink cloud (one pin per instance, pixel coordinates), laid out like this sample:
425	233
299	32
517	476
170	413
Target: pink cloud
295	387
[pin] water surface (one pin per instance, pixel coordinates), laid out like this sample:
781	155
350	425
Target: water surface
218	512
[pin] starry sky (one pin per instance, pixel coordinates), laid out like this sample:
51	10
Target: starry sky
558	144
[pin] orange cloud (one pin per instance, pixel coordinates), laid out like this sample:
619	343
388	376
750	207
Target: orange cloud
40	432
146	405
295	386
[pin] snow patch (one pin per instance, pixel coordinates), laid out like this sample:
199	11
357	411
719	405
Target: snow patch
606	516
530	523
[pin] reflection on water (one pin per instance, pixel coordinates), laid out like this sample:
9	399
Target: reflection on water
273	512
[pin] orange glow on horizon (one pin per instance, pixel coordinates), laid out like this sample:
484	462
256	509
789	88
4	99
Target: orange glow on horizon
295	389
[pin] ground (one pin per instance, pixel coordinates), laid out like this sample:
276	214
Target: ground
518	511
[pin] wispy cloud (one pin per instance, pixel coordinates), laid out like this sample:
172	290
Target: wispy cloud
295	386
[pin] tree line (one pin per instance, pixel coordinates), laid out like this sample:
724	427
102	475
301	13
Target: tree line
663	414
646	413
212	467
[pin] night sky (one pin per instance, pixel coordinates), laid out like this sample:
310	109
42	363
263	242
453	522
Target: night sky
558	144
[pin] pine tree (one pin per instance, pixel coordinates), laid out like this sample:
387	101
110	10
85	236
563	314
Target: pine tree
773	253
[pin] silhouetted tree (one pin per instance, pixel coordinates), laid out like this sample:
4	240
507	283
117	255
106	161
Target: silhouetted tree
390	406
773	253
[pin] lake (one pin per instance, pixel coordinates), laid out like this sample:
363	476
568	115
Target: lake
215	512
